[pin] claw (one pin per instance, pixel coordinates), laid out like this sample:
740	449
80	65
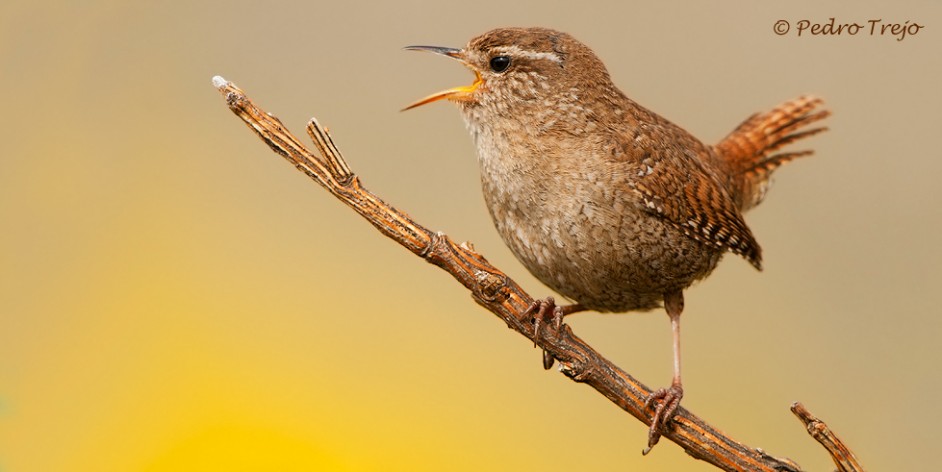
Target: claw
667	400
540	310
543	310
546	309
548	360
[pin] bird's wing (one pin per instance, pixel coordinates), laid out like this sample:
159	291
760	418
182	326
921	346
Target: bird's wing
672	178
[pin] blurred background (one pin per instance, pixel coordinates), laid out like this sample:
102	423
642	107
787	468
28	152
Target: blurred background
174	296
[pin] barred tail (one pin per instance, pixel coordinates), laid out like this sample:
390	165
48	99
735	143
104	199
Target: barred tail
748	153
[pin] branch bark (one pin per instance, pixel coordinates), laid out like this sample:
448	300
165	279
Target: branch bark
495	291
843	458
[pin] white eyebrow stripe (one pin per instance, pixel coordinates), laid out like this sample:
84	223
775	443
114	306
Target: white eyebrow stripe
516	51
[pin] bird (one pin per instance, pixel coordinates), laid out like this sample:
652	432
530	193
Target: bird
606	202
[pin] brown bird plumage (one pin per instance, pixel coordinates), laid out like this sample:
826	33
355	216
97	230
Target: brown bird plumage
603	200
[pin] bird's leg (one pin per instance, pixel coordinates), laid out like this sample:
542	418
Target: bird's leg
667	399
544	311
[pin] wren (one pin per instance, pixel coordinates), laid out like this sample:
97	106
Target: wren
604	201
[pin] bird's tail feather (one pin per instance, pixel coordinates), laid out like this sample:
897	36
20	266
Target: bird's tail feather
748	154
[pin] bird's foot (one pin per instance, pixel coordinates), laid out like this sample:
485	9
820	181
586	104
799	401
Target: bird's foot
545	311
667	400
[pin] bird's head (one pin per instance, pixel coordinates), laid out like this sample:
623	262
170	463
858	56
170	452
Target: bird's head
515	66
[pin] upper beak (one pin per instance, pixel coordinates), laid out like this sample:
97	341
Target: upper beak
450	52
456	93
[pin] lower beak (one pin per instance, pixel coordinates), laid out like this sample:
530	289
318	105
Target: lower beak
457	93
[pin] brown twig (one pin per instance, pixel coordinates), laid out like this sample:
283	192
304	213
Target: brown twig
842	456
494	290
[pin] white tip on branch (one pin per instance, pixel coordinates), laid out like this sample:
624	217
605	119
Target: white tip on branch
219	82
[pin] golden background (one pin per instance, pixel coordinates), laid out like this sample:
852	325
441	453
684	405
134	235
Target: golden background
174	296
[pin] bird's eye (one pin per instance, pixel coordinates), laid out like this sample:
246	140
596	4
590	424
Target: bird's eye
500	63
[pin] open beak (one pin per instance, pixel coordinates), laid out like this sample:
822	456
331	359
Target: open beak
457	93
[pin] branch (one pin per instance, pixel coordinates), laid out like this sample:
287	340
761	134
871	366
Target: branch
493	290
843	458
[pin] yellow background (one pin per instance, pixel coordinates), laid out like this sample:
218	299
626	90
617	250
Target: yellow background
174	296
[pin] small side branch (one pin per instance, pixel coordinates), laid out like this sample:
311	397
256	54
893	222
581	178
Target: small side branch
493	290
843	458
